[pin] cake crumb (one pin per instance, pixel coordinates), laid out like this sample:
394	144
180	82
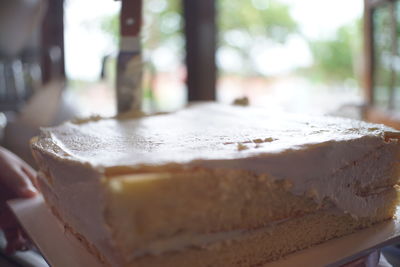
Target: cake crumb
265	140
243	101
287	184
312	193
241	147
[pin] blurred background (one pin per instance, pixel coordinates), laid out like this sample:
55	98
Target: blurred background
60	59
300	57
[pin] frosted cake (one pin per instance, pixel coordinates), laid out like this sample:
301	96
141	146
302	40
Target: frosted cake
215	185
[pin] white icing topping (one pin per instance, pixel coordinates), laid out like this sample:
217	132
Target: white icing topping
203	132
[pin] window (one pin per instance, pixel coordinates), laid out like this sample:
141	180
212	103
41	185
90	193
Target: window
382	34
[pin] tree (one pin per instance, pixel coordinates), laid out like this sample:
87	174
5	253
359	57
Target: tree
256	19
335	59
243	24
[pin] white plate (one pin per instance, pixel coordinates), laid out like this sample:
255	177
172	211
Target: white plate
59	248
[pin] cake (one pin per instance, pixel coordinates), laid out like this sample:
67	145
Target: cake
215	185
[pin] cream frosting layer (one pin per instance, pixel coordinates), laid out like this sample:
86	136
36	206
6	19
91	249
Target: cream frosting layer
319	156
196	240
202	132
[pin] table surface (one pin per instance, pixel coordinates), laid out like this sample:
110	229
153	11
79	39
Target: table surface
61	249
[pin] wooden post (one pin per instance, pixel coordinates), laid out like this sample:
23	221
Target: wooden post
52	39
393	37
129	62
368	53
200	34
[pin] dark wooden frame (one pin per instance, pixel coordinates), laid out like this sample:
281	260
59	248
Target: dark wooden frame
52	38
372	112
368	51
370	7
200	34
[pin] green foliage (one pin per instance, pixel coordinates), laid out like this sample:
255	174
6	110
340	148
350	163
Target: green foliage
163	25
335	58
242	24
251	21
110	25
266	18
